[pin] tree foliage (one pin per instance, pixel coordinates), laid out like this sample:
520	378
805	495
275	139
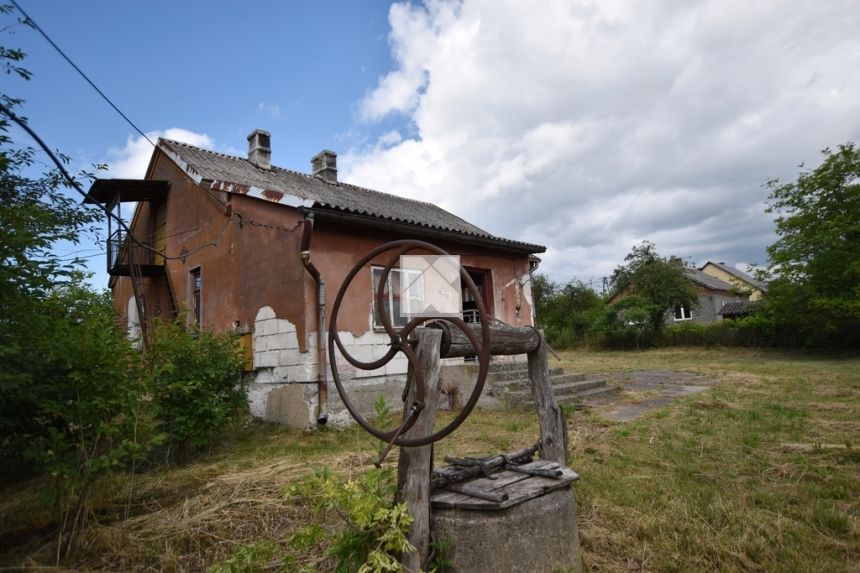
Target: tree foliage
76	400
565	311
815	263
658	283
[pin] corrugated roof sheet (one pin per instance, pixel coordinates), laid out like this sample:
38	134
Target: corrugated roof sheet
238	175
706	280
734	309
738	274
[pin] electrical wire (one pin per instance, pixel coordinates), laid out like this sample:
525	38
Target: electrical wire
77	187
80	71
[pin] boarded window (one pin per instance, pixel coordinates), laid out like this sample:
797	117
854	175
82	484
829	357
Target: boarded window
195	296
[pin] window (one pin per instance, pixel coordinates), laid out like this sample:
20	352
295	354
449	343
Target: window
397	309
682	312
195	290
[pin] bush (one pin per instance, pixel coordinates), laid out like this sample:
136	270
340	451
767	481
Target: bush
375	529
194	382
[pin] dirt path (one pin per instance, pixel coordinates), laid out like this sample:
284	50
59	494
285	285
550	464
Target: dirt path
646	390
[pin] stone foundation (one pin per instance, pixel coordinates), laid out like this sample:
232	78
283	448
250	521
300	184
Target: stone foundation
536	536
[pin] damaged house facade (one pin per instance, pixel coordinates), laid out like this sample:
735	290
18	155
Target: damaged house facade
237	244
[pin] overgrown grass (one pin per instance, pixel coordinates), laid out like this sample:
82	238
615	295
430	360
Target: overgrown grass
708	483
702	485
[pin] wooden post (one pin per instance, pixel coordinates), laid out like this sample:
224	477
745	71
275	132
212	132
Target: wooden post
415	464
553	430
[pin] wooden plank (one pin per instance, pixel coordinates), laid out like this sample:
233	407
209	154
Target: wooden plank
416	464
450	474
553	429
518	487
505	340
503	479
477	491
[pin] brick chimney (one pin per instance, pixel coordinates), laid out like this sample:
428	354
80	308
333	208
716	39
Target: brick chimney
260	149
324	166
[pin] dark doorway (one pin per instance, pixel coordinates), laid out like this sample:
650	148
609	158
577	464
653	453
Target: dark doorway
483	281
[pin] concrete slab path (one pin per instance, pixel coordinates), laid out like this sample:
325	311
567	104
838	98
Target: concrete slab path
646	390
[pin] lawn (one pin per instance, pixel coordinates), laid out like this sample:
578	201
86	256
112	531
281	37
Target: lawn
759	473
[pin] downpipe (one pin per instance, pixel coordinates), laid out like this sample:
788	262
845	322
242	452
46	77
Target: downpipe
322	382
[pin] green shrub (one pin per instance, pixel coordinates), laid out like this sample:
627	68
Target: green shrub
194	382
375	532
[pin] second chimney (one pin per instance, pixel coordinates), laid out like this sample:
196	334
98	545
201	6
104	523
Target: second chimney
260	149
324	166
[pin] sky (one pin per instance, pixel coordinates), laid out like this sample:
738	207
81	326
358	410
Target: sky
584	126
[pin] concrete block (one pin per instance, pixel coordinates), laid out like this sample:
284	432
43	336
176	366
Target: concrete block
257	399
286	405
288	357
396	366
285	326
266	327
265	313
290	339
538	535
346	337
301	373
267	359
276	342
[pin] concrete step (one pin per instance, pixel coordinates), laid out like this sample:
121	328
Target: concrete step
578	387
584	398
557	379
516	375
564	389
564	393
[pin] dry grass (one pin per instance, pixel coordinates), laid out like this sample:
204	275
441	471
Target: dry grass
702	485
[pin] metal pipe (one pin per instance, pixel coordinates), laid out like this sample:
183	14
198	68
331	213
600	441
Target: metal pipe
322	382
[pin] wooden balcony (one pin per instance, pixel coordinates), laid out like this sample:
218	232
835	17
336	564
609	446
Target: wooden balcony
122	252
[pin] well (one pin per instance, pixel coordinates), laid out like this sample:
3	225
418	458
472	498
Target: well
528	526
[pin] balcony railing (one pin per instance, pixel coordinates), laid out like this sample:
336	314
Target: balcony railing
471	315
121	252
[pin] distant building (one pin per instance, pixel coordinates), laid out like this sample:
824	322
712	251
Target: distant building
712	294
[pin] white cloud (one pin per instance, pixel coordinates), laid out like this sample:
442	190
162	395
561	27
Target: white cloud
590	126
272	110
131	161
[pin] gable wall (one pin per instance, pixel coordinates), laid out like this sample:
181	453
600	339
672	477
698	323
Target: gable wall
717	272
254	263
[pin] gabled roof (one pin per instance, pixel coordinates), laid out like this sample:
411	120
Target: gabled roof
238	175
707	280
740	275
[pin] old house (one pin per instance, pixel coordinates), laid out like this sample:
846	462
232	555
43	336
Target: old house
712	295
240	244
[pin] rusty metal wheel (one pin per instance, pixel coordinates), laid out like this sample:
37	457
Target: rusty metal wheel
399	342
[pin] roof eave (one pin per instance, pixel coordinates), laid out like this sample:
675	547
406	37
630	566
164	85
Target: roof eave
411	228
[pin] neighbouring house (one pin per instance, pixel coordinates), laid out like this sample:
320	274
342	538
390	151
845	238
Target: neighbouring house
242	245
741	280
712	295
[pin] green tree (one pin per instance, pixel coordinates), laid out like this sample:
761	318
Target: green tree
565	311
658	282
815	262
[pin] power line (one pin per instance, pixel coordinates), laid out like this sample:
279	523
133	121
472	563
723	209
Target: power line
80	71
77	187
